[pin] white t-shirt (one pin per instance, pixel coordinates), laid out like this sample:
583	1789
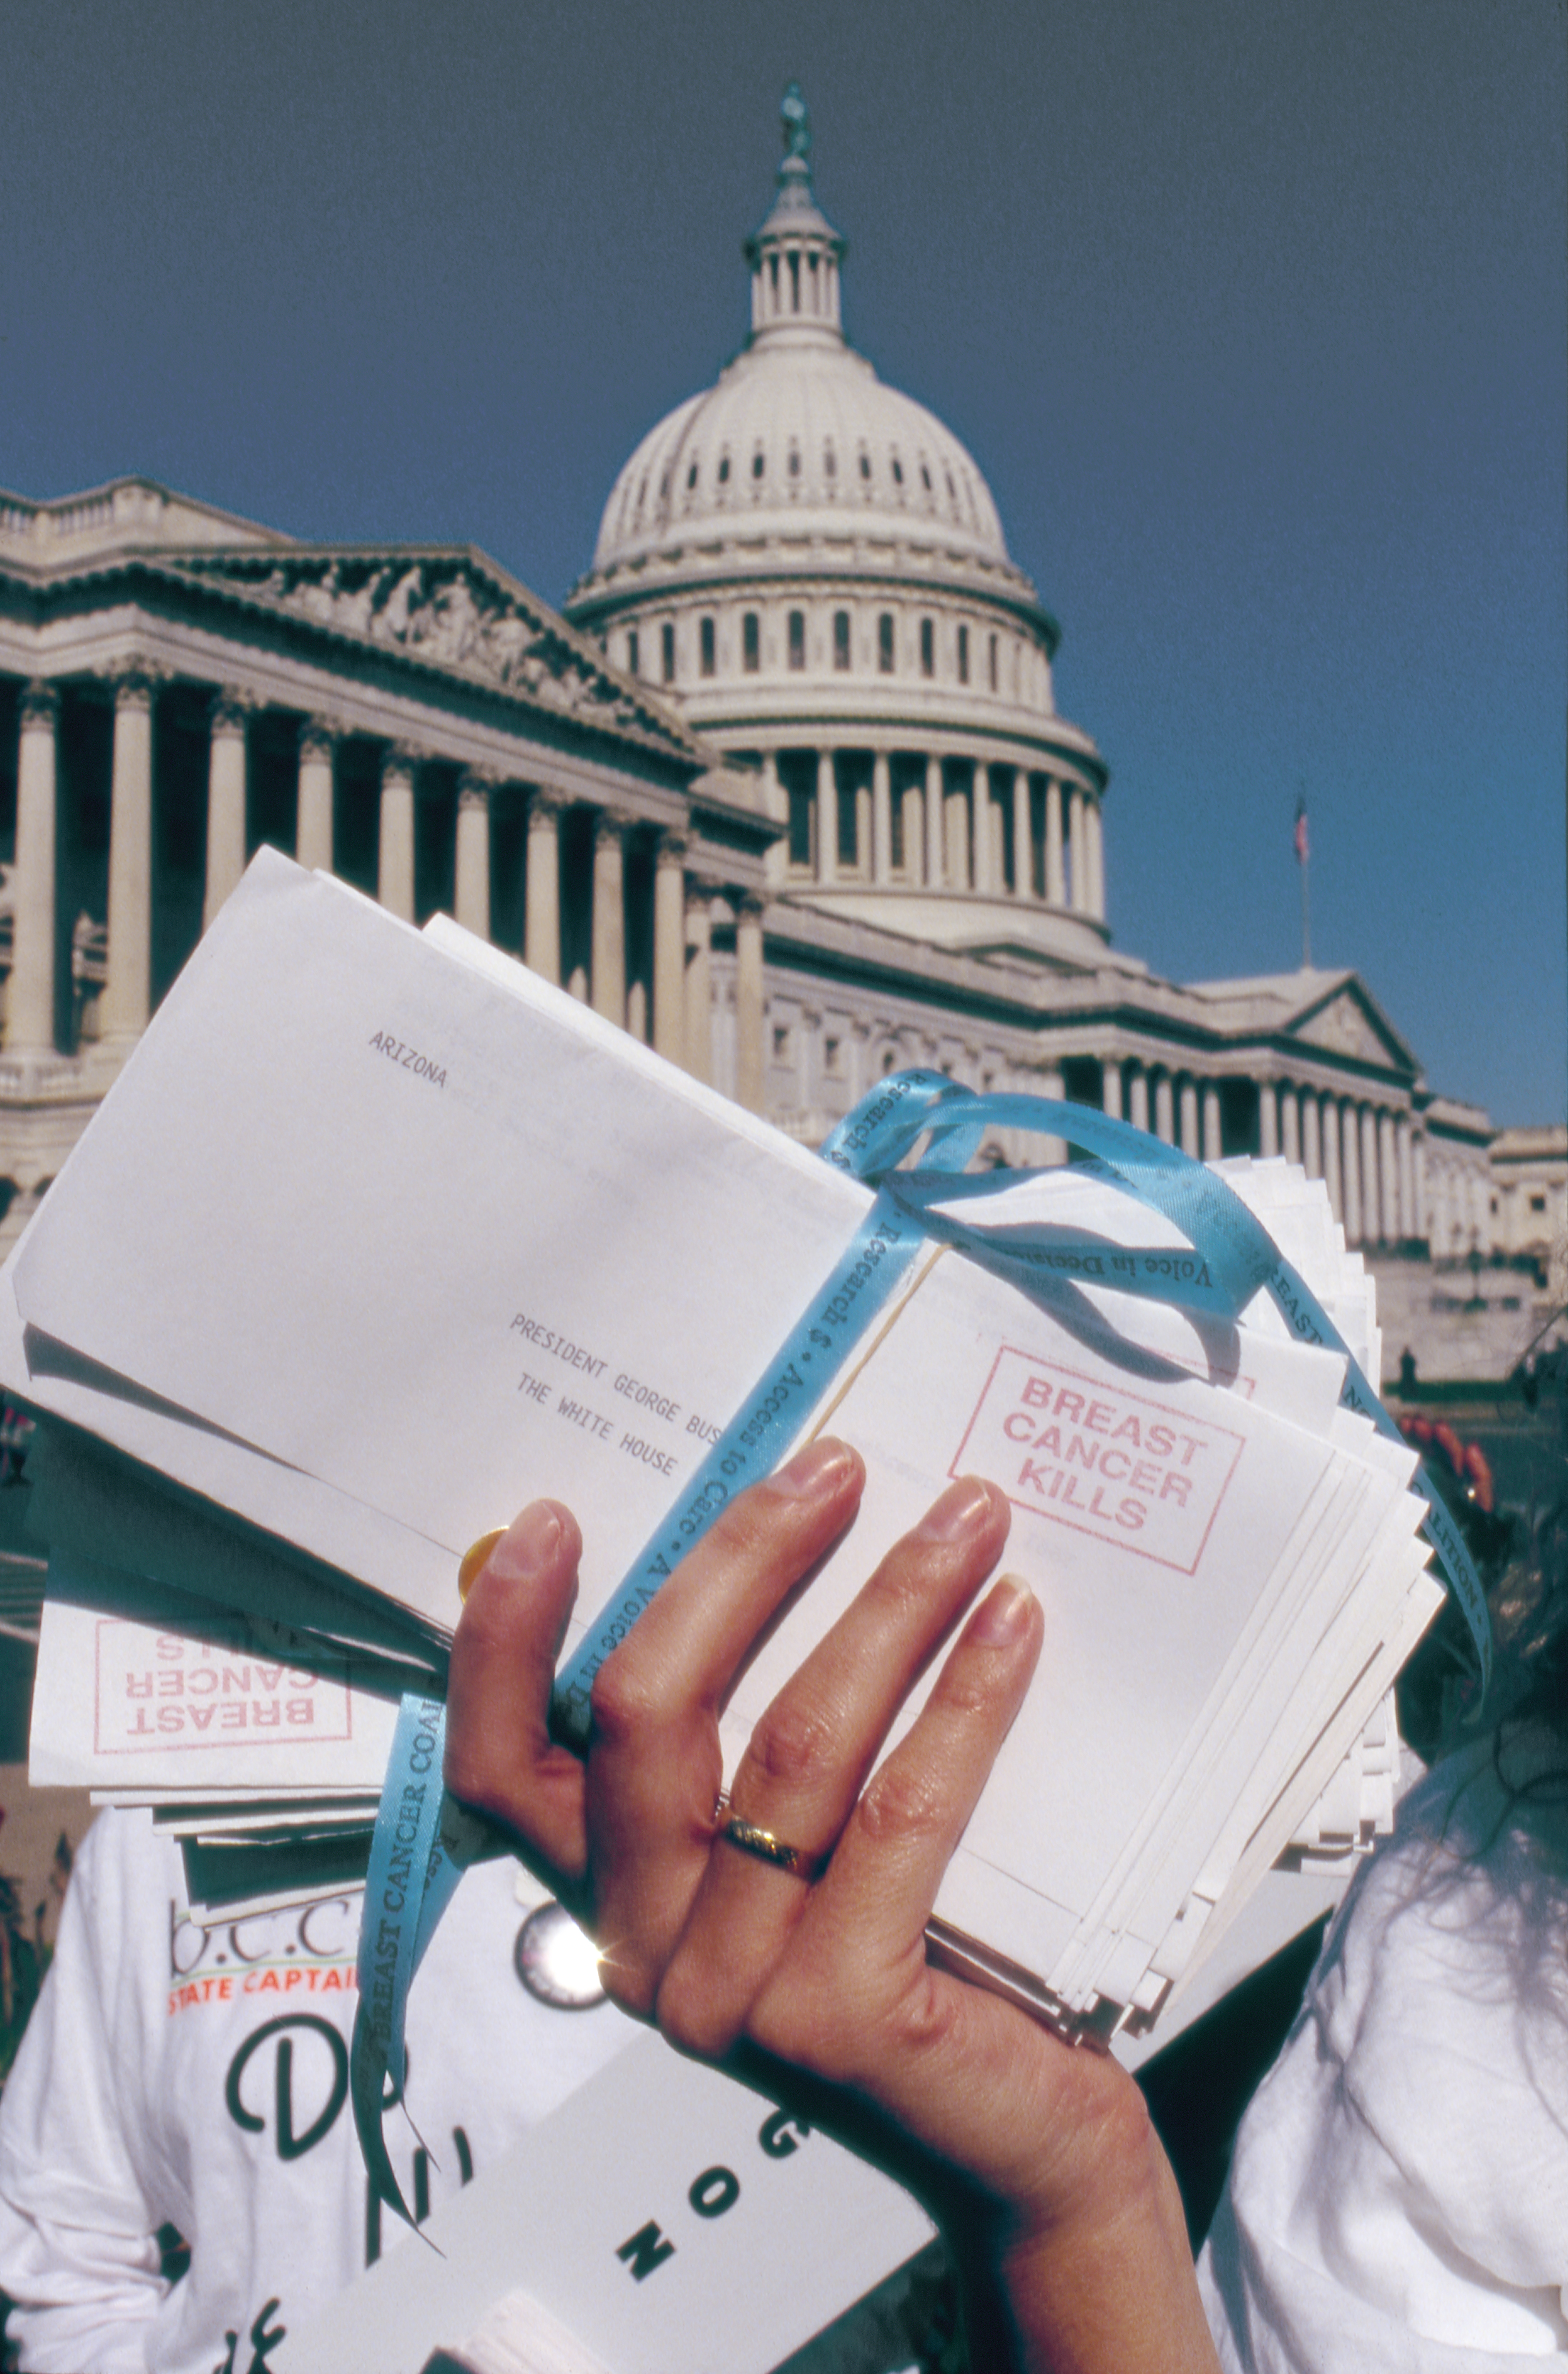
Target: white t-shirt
200	2077
1398	2196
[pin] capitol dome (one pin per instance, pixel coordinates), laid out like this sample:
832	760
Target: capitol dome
811	566
799	435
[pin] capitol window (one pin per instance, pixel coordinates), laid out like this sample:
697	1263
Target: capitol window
691	477
841	639
963	654
667	652
797	638
829	463
925	479
993	662
632	668
865	466
885	642
705	646
724	469
897	471
928	648
751	643
794	462
759	463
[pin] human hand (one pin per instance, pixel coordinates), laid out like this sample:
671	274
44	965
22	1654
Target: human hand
824	1969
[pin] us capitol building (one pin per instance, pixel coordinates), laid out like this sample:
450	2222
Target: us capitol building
785	792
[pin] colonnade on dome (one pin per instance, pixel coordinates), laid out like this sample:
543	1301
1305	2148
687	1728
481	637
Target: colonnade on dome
930	820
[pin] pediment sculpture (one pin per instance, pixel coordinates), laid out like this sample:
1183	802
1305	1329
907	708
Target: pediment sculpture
1342	1026
439	608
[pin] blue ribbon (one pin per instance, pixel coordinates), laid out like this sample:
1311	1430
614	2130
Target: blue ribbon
423	1840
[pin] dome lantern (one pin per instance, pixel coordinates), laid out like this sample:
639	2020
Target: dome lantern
795	255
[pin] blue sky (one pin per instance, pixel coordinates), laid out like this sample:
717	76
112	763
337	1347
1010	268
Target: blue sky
1253	314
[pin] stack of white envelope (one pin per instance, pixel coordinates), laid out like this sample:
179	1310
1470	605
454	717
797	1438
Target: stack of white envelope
378	1236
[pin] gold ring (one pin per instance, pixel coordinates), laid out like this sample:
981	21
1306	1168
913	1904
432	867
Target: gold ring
475	1558
768	1849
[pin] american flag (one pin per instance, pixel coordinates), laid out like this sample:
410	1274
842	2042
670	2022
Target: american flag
1302	850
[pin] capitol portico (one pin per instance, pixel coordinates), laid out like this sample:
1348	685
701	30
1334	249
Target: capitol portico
178	686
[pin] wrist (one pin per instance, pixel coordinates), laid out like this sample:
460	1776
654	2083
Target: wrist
1107	2280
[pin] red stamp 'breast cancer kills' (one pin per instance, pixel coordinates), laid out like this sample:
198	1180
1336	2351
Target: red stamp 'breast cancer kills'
193	1695
1139	1473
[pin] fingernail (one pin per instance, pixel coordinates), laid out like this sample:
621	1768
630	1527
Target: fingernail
1002	1616
961	1510
814	1469
528	1544
474	1560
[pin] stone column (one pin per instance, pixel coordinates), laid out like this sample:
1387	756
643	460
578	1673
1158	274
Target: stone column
470	869
30	993
1333	1178
1291	1117
1189	1118
313	800
1389	1179
1371	1195
1023	841
749	1003
227	773
881	817
699	983
1075	836
1095	839
988	853
956	832
1349	1172
1110	1090
1311	1136
1052	1149
394	867
1213	1143
1138	1097
1421	1166
826	823
542	918
669	947
127	989
608	959
1410	1217
775	864
935	868
1056	878
1165	1112
1268	1120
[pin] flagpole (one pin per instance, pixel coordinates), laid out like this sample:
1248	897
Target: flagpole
1306	920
